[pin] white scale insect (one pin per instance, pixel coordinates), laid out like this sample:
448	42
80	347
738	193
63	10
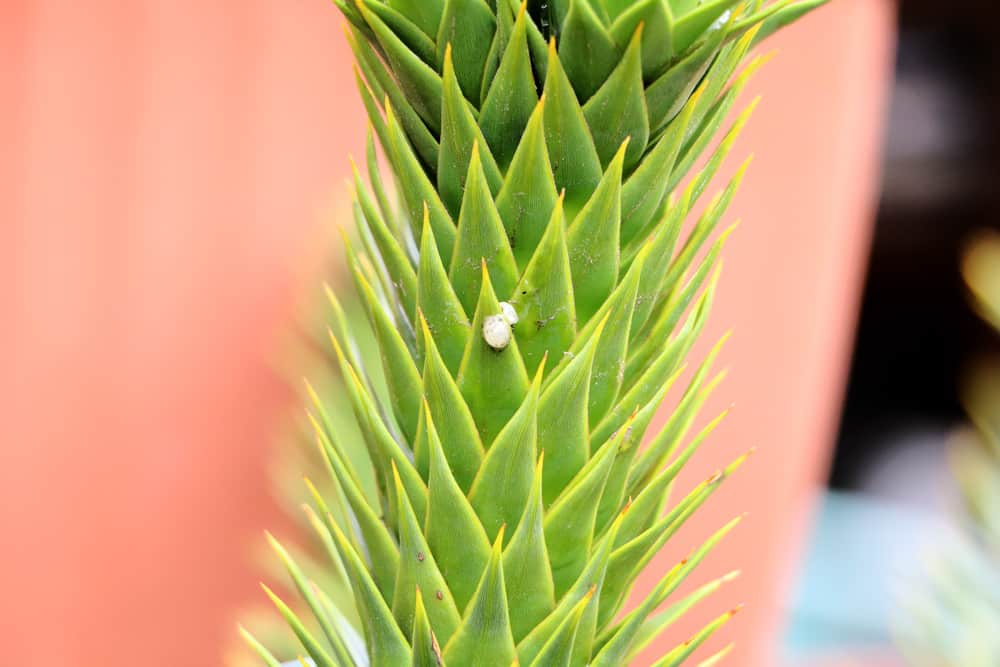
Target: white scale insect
497	328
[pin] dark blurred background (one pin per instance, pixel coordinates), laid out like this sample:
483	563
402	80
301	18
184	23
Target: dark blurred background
916	332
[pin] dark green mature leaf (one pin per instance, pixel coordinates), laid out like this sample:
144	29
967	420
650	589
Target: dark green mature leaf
543	298
467	26
586	50
593	243
511	97
576	166
418	81
417	191
528	194
460	136
481	239
617	112
655	15
484	638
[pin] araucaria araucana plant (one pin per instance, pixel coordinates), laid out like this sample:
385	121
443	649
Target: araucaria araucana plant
534	299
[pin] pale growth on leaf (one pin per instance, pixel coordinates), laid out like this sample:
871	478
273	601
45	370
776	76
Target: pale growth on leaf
496	332
509	313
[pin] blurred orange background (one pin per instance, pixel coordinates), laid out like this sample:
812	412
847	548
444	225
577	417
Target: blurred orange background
166	169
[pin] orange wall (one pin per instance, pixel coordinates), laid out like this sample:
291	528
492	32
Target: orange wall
163	173
170	164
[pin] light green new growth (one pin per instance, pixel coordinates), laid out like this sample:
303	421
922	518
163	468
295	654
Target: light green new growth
534	293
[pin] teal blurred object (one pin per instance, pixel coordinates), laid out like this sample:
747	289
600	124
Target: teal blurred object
863	551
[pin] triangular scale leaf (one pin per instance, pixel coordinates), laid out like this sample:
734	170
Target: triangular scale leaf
543	299
418	569
445	405
468	26
591	580
384	87
493	381
385	641
401	374
418	81
403	26
426	652
569	522
439	304
504	480
576	166
527	571
528	194
586	50
694	24
617	111
593	243
417	191
511	97
459	135
657	20
647	186
562	419
309	643
424	13
481	238
484	638
558	651
453	530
